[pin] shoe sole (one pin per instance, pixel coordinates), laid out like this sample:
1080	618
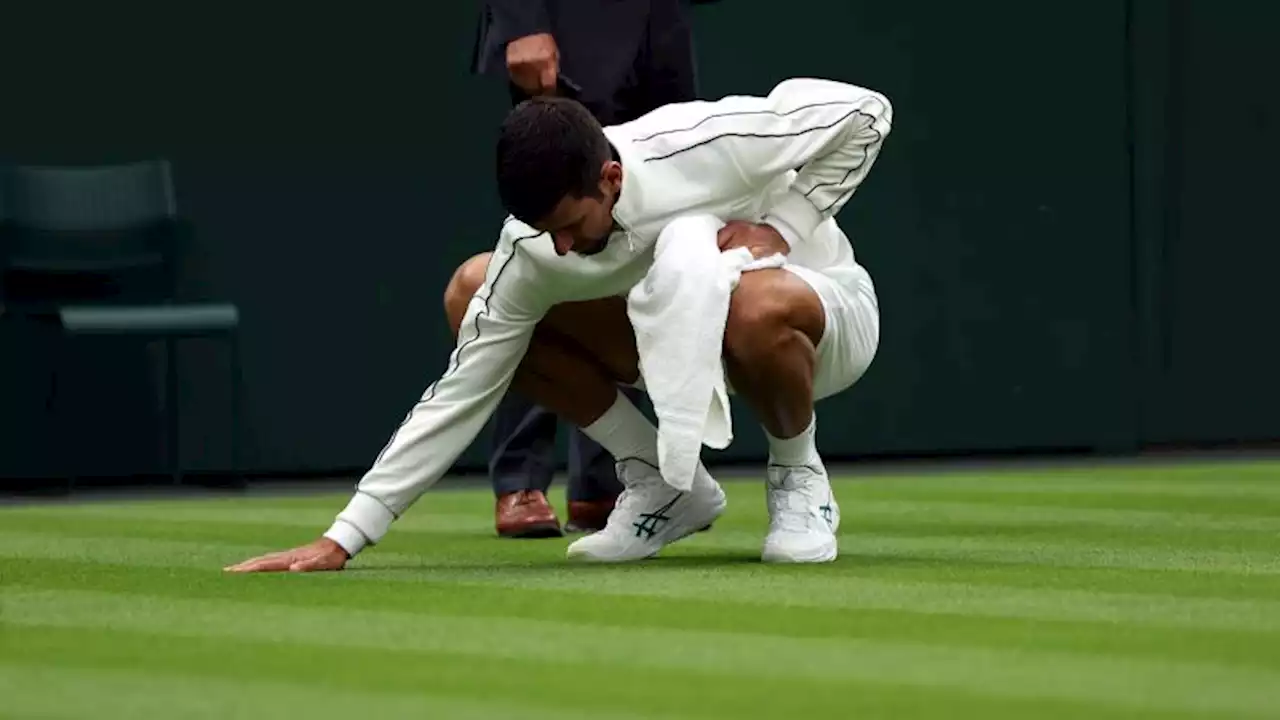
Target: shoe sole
582	530
533	532
823	554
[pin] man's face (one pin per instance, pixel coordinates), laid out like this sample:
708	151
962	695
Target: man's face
583	225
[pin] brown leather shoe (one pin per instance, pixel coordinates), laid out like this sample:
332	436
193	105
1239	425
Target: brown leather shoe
525	514
587	516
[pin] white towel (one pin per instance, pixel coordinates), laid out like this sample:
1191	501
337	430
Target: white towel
679	312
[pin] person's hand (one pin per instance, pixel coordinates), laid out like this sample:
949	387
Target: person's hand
761	239
323	554
533	62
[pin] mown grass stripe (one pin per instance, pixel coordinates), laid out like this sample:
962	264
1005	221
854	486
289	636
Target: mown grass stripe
706	611
1141	525
559	681
825	587
97	693
1027	674
931	598
1119	539
1175	479
1041	552
741	534
1243	507
1259	557
314	519
938	512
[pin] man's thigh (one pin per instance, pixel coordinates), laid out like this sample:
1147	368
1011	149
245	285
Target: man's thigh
850	336
851	333
601	330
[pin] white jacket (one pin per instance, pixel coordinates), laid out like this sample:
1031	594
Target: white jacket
792	158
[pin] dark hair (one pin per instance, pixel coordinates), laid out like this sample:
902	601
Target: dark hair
548	148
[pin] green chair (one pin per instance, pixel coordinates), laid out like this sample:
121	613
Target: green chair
92	252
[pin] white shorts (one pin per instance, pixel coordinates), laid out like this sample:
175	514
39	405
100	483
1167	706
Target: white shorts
851	332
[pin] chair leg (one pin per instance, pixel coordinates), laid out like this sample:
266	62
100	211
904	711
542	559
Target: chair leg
173	412
57	436
237	478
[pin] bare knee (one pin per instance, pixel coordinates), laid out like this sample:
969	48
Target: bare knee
770	309
466	280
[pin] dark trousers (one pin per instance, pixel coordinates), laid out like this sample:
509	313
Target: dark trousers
524	453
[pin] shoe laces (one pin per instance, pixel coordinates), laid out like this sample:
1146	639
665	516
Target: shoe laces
792	495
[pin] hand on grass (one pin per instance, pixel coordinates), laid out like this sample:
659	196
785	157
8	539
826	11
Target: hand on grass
323	554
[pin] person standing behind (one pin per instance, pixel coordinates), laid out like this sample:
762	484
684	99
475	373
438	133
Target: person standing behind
621	59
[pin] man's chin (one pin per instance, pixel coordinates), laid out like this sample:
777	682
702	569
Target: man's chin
594	248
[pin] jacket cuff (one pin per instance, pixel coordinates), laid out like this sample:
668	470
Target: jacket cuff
515	19
363	522
794	217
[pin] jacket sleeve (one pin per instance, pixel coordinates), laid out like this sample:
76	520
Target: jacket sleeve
513	19
492	340
829	133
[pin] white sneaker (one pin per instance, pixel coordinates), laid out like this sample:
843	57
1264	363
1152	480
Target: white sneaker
650	514
803	516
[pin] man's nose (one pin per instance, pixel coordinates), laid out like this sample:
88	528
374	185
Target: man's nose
563	242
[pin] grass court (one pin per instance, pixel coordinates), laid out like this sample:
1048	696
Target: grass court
1118	591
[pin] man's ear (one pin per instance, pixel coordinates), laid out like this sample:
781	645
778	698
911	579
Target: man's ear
611	176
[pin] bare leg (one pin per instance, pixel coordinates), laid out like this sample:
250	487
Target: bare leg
579	354
581	351
775	323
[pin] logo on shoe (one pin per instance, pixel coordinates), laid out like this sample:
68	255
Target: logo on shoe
650	523
828	514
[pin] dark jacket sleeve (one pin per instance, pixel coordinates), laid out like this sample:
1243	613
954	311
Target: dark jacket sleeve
514	19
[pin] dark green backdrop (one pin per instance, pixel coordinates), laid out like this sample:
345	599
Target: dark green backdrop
1068	226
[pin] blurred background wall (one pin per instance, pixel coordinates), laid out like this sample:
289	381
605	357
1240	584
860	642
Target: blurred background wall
1072	226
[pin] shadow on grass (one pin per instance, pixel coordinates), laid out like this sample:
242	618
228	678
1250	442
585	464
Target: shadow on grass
701	560
849	564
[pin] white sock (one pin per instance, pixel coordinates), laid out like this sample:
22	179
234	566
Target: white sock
795	451
624	432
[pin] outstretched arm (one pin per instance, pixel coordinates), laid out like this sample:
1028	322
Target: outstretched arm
492	338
